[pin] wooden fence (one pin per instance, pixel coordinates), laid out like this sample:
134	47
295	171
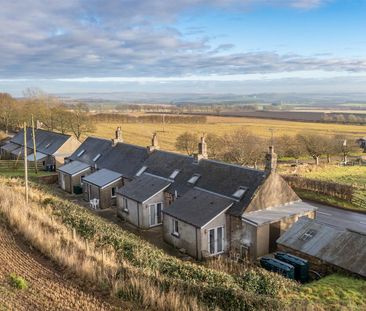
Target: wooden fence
6	165
340	191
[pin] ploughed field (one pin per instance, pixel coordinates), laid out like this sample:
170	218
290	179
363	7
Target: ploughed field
140	133
47	288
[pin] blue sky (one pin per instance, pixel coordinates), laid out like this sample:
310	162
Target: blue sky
216	46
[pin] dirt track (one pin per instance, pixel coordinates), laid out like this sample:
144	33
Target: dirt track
48	289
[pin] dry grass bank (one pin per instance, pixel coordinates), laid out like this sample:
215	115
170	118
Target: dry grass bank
80	256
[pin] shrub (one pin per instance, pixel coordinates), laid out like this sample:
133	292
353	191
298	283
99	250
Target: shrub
18	282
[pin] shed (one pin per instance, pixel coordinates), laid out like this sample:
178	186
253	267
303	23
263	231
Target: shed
326	246
102	185
72	174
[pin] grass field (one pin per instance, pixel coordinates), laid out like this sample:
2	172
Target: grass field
350	175
334	292
140	133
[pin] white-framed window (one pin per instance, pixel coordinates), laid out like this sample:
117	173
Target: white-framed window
155	214
113	192
142	169
238	194
125	205
194	179
81	153
216	240
96	158
174	174
175	228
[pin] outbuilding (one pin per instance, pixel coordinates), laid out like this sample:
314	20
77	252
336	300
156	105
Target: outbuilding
102	185
72	174
196	223
142	201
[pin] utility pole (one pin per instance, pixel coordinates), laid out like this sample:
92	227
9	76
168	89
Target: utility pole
25	162
163	122
34	147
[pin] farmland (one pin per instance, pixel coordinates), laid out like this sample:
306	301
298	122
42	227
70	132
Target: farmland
140	133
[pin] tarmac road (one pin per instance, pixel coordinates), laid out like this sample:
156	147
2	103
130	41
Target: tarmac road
340	218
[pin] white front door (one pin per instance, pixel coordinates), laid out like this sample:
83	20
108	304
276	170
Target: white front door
155	214
63	186
216	240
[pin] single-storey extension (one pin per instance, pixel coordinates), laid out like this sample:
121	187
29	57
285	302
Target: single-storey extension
142	201
102	185
328	248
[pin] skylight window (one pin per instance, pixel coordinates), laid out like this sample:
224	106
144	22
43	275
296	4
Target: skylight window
142	169
194	179
174	174
238	194
97	157
307	235
81	153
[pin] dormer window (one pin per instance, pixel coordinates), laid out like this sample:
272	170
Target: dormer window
96	158
238	194
194	179
142	169
174	174
80	153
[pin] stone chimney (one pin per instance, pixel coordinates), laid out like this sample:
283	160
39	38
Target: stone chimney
118	136
154	143
202	149
271	160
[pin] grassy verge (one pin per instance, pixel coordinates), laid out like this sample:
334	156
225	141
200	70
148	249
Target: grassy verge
333	292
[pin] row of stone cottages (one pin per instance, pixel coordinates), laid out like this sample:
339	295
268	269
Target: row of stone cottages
205	207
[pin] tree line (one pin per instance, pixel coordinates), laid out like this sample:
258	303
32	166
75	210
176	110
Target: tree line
48	110
245	148
153	118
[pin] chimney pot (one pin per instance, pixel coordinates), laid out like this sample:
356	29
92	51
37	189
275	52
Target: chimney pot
271	160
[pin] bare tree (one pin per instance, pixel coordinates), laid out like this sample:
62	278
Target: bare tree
79	122
243	148
290	146
315	145
187	142
6	110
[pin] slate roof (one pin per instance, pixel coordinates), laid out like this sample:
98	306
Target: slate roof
47	142
9	147
92	146
39	156
222	178
124	158
339	247
102	177
198	207
277	213
143	187
73	167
